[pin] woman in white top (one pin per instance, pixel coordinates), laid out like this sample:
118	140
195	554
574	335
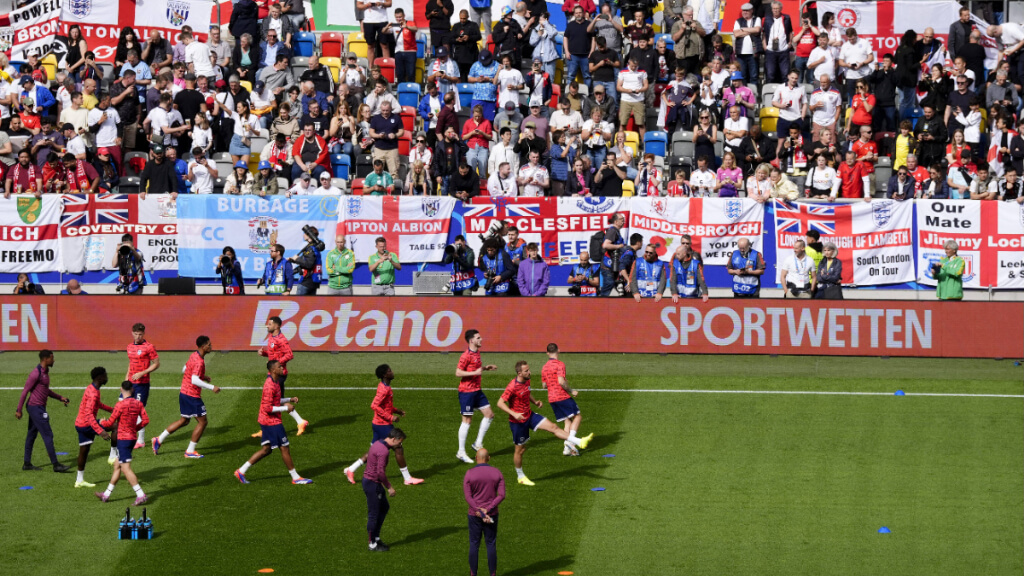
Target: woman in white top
201	172
422	153
202	135
835	37
759	186
240	181
703	182
822	180
247	125
971	122
596	134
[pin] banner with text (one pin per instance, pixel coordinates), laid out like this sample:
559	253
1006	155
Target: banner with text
990	236
91	228
30	29
29	235
873	238
714	224
250	225
101	21
436	324
415	227
561	227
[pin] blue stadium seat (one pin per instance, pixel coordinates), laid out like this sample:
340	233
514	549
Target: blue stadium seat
465	95
655	142
305	44
669	44
409	94
341	165
421	46
558	44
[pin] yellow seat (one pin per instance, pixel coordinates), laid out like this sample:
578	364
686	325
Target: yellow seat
420	65
49	63
357	44
246	84
769	118
633	139
334	65
984	119
726	38
627	188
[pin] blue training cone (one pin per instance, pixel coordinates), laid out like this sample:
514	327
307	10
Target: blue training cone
884	530
25	488
597	489
900	393
609	456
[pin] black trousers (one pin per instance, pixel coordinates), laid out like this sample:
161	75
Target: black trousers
489	532
376	507
39	425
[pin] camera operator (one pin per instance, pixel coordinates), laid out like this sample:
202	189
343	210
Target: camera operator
496	232
230	272
497	268
309	262
516	249
610	247
461	257
585	277
277	276
626	258
649	278
131	275
24	286
341	262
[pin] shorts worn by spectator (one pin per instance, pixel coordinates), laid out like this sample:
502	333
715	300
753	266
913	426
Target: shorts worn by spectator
383	265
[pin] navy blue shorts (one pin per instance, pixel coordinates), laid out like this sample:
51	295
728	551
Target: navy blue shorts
142	393
191	407
470	402
521	430
86	435
565	409
274	436
124	450
381	431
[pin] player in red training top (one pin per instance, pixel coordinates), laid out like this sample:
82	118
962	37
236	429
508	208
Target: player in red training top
193	380
142	361
471	397
271	407
87	425
384	417
517	402
130	415
277	348
561	397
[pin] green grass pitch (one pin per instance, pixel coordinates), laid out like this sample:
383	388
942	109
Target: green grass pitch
701	483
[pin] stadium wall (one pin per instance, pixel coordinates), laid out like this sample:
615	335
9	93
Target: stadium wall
436	324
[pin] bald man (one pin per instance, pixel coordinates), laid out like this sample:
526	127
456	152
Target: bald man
74	288
484	489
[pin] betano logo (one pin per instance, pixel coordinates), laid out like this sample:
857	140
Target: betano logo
24	323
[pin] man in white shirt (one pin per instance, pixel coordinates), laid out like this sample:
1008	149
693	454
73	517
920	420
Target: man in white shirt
632	86
825	103
565	119
303	186
75	144
797	274
76	114
502	182
509	81
197	56
1011	38
791	102
534	177
375	17
503	152
736	127
821	61
857	58
326	187
703	180
201	172
719	76
106	117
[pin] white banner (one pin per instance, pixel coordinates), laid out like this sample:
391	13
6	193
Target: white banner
173	14
344	13
29	233
873	238
30	29
92	225
415	227
714	224
990	236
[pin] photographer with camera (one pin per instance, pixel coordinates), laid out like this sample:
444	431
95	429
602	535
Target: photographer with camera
26	286
341	262
309	262
382	266
230	272
131	276
497	268
626	258
648	277
277	276
461	257
585	277
687	275
609	248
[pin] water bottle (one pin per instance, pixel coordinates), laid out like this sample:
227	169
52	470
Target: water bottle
123	532
146	532
133	527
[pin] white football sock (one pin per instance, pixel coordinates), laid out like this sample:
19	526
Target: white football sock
138	491
81	476
520	473
191	447
355	465
405	473
573	440
142	435
484	425
110	488
572	433
163	436
463	434
245	467
295	475
296	417
113	452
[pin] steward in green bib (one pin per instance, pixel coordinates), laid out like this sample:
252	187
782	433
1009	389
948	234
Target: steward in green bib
340	263
949	273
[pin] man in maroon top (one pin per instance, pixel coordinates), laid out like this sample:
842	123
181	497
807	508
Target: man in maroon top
484	488
377	487
447	117
37	389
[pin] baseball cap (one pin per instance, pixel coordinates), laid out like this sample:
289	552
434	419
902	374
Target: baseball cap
486	58
510	105
259	86
209	102
103	152
352	56
157	149
38	75
221	85
442	52
530	125
325	176
305	176
26	80
598	88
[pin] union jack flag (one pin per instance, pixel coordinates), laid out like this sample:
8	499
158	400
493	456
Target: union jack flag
503	208
800	218
82	210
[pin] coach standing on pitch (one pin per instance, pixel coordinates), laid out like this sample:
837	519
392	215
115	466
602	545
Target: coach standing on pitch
37	389
484	488
377	487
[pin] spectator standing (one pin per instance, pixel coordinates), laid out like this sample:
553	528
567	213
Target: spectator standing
931	135
533	276
386	129
777	34
448	154
477	133
798	275
603	63
749	47
688	35
791	101
382	266
806	39
857	59
485	92
576	44
884	84
159	176
465	37
439	14
829	275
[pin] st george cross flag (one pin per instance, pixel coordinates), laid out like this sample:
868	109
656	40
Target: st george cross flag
874	239
28	233
30	29
990	236
714	225
414	227
91	228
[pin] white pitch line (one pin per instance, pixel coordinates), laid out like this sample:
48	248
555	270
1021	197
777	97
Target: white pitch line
622	390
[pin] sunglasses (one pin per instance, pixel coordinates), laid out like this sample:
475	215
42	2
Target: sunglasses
649	253
961	82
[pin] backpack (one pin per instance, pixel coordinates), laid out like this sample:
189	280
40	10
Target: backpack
597	244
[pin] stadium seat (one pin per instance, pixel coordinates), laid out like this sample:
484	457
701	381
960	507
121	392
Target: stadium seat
341	165
246	84
769	118
882	175
134	162
679	163
357	187
257	144
218	183
684	147
340	184
421	46
404	144
282	184
669	44
107	68
558	44
334	65
17	143
633	139
129	185
556	93
299	65
332	44
387	68
408	115
651	121
305	43
655	142
465	95
364	165
409	94
357	44
49	63
630	124
768	93
627	188
659	89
